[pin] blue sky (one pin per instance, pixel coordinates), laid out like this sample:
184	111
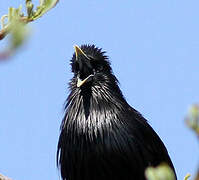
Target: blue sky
153	46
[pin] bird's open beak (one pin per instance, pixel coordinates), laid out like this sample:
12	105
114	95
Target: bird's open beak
78	53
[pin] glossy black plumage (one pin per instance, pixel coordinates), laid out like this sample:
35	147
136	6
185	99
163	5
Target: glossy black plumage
102	137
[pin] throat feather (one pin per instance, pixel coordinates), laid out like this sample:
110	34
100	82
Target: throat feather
91	113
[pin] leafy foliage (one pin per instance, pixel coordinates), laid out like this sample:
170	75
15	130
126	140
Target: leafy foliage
16	21
162	172
192	119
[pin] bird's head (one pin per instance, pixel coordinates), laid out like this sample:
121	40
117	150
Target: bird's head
90	66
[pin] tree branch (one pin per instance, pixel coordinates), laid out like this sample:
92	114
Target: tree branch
4	177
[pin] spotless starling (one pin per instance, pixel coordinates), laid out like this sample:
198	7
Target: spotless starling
102	137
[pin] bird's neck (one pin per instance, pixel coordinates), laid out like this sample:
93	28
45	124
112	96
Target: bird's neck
92	110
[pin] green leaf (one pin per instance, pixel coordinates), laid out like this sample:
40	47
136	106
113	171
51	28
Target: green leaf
187	176
162	172
192	118
45	5
18	32
29	8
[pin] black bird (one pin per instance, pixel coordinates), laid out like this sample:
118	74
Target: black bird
102	137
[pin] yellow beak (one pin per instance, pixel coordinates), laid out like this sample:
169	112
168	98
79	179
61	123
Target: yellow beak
79	52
